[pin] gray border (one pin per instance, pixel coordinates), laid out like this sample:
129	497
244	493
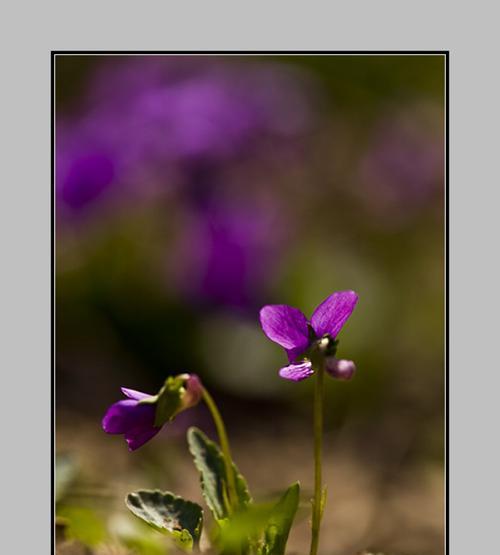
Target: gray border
31	31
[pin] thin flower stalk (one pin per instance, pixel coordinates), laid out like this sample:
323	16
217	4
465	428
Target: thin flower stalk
311	348
226	450
319	393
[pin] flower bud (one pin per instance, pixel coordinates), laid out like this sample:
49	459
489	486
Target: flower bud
194	391
340	369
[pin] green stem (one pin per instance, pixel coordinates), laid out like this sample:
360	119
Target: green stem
224	445
318	444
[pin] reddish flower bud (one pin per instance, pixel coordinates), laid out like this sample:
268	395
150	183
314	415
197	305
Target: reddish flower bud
340	369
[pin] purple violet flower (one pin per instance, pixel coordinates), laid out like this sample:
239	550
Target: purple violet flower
287	326
131	418
135	416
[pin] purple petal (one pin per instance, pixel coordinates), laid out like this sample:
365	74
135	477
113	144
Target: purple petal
297	372
294	354
330	316
133	394
136	437
119	417
127	415
285	325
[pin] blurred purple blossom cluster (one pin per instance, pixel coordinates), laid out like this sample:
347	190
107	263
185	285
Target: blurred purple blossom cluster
173	120
218	150
201	136
402	168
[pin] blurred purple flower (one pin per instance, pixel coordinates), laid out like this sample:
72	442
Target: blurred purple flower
155	117
87	177
203	136
187	109
287	326
86	168
404	166
228	251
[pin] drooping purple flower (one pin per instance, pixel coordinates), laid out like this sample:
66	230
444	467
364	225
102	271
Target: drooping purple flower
132	419
136	417
287	326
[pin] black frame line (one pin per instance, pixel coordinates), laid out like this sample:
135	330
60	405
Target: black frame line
445	53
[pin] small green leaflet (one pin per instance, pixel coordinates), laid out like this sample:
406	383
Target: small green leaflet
209	461
169	514
280	522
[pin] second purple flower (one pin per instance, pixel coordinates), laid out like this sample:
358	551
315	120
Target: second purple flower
302	339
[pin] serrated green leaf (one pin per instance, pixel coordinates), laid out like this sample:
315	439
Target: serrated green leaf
169	514
209	461
280	522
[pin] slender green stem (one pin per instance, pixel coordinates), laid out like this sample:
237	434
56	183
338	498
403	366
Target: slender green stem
226	451
318	444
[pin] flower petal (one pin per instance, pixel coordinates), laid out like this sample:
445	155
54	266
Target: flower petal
133	394
331	315
297	372
128	415
136	437
294	354
120	417
285	325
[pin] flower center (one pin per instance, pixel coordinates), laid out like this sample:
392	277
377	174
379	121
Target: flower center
326	345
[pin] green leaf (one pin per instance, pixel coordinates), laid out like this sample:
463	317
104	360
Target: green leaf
82	524
280	522
138	536
144	545
245	528
209	461
169	514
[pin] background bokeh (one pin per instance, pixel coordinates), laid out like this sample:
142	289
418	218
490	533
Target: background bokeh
192	190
